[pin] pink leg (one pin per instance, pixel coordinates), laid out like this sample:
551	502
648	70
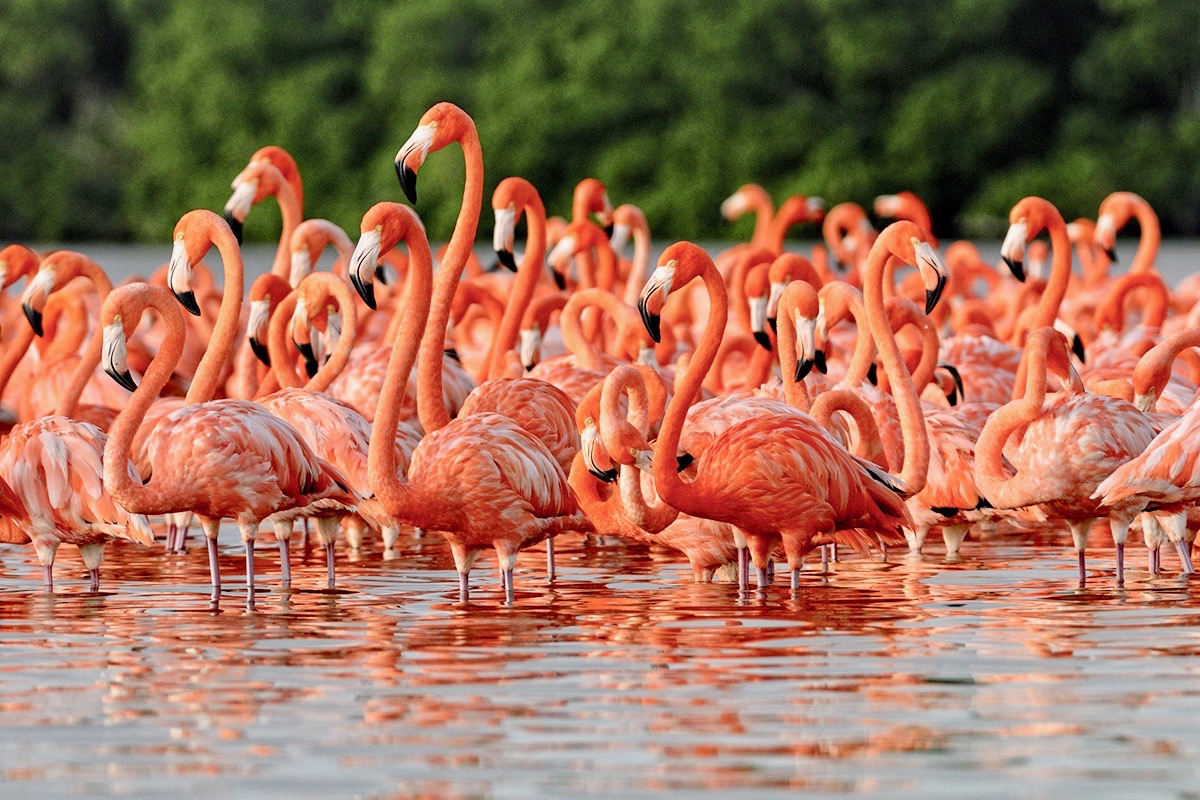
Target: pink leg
95	576
214	569
763	580
329	563
1185	557
550	560
795	579
48	578
464	587
1082	570
825	558
1121	564
250	574
743	569
170	542
508	586
1150	561
833	553
285	563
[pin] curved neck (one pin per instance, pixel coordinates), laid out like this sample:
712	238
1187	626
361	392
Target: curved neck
430	405
290	210
119	481
1002	491
390	487
221	344
908	406
79	264
1151	238
760	204
341	352
1060	275
666	476
1111	313
869	445
864	347
528	274
640	268
587	354
283	363
14	351
1153	370
794	391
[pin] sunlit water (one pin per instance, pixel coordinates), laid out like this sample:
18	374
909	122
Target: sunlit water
993	677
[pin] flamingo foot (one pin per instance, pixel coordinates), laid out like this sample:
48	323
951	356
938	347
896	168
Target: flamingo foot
550	560
1185	557
329	567
1082	570
94	574
48	578
214	570
285	563
1120	564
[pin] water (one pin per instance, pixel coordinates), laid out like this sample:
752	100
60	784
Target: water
996	676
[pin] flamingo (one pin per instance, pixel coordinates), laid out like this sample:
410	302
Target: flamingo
219	459
482	480
779	475
272	172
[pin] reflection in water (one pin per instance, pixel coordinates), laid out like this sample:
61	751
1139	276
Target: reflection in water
909	677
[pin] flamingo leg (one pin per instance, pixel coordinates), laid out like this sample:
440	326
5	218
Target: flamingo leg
329	564
795	579
94	574
833	553
1185	557
250	573
825	559
743	566
550	560
883	549
1121	564
507	575
1155	562
464	587
761	576
212	528
48	578
171	533
285	563
1082	570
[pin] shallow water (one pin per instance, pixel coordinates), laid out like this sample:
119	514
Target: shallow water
996	676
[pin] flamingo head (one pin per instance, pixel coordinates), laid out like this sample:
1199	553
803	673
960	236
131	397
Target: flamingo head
948	379
908	244
384	226
801	304
529	346
37	293
266	292
259	180
439	126
1028	218
115	352
734	206
677	266
591	197
17	261
594	455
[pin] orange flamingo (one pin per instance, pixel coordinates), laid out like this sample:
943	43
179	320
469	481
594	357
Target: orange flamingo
482	481
1063	447
827	489
271	172
240	462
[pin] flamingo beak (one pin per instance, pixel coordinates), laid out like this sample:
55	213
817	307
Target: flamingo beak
620	237
528	346
256	325
932	271
179	278
958	391
301	267
364	264
35	319
806	346
115	355
237	207
683	461
873	374
758	322
733	207
503	239
35	297
1013	249
660	281
588	441
260	351
410	158
559	259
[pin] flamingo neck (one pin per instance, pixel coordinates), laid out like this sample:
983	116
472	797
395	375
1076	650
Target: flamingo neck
1148	244
640	268
210	373
908	405
392	489
670	487
430	406
870	444
292	213
1060	275
575	338
78	264
1002	491
153	497
532	264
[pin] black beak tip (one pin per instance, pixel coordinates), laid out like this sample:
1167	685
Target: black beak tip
365	290
873	374
958	381
803	367
1111	252
1077	349
529	367
310	368
235	225
821	363
763	339
560	280
774	323
260	351
683	461
123	379
408	181
653	323
606	475
306	350
35	319
1017	268
608	229
188	301
506	258
933	295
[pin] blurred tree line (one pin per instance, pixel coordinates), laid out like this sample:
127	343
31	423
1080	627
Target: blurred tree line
118	115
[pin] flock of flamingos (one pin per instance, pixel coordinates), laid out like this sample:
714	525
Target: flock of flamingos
753	408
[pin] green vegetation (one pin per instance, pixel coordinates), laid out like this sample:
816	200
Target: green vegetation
118	115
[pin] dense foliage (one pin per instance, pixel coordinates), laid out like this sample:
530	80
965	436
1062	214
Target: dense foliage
118	115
